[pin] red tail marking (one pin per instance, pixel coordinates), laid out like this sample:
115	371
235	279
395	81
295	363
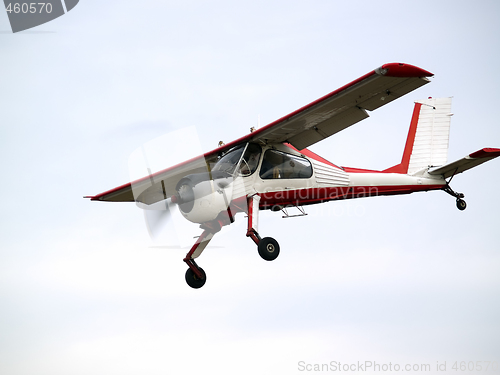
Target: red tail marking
405	161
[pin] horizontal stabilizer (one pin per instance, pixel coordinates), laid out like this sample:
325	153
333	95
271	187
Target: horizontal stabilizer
470	161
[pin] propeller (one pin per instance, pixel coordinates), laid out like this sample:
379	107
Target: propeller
164	221
157	216
160	216
193	192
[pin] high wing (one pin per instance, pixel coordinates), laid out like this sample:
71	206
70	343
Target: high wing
468	162
345	106
310	124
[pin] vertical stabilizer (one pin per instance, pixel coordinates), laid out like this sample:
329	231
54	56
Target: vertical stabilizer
430	147
428	137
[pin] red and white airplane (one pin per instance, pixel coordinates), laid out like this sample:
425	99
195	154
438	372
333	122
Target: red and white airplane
272	169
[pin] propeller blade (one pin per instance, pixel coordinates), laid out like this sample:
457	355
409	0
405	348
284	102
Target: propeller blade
156	216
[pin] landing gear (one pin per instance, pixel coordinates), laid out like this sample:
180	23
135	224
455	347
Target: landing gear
269	249
195	276
193	280
461	205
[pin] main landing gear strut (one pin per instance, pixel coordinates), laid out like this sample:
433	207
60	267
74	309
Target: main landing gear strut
461	205
268	247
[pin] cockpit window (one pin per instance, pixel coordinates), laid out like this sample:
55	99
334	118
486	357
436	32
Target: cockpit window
228	162
249	162
280	165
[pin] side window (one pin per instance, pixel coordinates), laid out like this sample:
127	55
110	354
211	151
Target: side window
280	165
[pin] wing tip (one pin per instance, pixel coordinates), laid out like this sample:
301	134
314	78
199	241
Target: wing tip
487	152
402	70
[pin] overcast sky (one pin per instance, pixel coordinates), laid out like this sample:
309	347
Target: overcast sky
401	280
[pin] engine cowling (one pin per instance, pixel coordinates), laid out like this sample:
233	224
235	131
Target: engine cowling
201	199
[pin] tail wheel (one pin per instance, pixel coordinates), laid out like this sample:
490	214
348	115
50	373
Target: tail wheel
461	205
269	249
194	281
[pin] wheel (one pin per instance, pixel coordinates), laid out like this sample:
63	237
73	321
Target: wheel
269	249
461	205
193	280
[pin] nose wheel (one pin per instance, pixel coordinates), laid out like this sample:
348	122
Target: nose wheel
195	281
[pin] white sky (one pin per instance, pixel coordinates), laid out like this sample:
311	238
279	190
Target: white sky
407	280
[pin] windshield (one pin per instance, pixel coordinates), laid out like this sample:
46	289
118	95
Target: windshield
249	162
228	162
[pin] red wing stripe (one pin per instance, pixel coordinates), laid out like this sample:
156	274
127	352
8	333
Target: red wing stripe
486	153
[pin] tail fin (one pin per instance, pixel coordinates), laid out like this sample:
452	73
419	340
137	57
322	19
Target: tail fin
427	142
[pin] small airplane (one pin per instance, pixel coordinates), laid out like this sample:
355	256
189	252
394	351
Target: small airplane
271	168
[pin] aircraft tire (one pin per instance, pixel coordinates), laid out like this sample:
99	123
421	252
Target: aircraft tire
461	205
193	281
269	249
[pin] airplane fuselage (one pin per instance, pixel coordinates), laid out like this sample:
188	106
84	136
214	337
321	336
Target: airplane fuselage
283	177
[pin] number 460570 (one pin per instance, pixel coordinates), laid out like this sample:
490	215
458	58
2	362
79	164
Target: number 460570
29	8
475	366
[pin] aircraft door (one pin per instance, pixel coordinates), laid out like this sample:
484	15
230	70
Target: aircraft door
281	172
